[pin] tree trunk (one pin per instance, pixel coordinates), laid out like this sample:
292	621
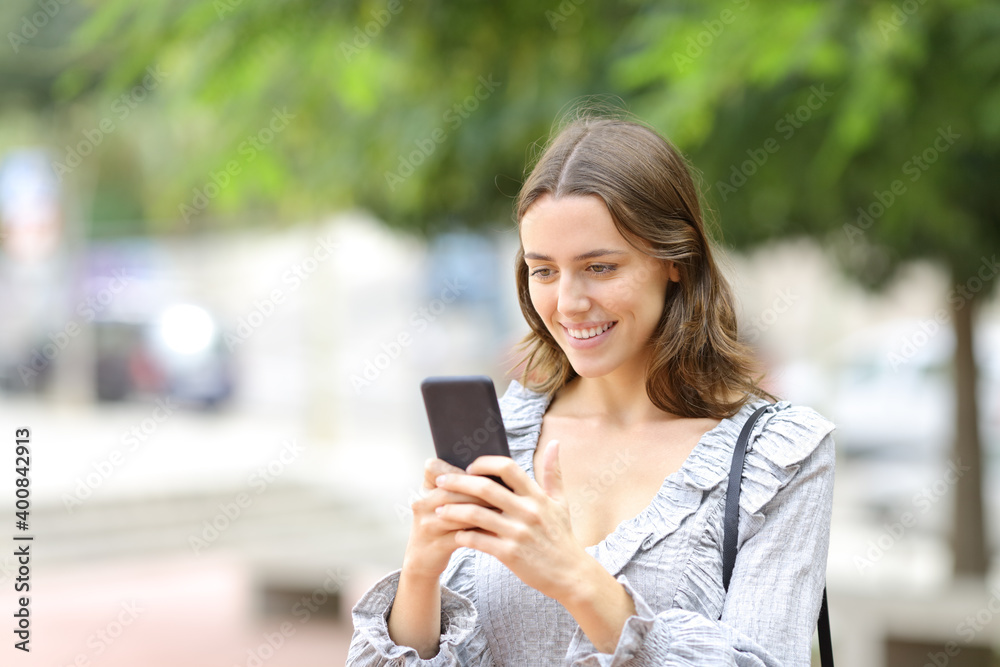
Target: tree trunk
969	532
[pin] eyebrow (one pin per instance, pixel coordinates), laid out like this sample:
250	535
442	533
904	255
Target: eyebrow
600	252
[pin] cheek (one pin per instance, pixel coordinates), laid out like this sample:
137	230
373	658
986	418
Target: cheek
541	299
639	293
628	292
618	292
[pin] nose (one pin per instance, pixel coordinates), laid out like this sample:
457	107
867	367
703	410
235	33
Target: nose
573	297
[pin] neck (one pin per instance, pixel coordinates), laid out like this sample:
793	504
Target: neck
619	398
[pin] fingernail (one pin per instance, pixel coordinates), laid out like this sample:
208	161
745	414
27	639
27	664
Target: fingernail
439	509
439	480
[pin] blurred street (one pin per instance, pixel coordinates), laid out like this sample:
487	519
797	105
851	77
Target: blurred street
167	532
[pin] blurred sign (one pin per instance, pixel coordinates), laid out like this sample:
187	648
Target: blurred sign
30	215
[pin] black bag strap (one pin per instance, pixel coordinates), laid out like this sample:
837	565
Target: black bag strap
731	523
823	627
731	528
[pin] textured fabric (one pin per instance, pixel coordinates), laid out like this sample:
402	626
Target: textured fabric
668	558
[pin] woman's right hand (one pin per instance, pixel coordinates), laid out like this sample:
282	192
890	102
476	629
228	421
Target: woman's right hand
432	539
415	617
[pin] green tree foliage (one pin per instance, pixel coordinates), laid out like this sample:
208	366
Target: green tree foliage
419	112
804	115
872	126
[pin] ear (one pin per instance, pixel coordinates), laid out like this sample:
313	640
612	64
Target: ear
673	273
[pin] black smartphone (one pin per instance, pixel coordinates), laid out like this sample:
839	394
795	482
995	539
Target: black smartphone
465	419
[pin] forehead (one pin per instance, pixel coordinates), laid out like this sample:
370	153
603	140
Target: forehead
565	225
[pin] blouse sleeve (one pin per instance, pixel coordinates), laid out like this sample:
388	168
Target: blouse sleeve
462	640
770	611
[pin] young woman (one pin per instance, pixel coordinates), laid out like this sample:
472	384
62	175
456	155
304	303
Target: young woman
607	549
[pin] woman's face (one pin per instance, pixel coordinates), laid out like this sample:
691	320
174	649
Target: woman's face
599	297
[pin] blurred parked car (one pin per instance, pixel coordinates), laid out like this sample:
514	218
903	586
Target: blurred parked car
179	353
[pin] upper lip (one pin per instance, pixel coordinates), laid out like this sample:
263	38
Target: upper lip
586	325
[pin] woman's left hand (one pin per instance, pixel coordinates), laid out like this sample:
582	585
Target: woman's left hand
529	530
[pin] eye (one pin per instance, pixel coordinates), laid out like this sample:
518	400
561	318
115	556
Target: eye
541	272
603	269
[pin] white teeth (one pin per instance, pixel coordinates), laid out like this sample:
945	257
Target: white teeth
583	334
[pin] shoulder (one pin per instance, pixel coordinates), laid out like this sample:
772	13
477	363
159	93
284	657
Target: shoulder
785	439
785	433
522	408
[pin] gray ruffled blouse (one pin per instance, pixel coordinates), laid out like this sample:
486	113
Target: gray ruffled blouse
668	558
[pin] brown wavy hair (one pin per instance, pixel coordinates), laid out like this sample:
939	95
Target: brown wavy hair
698	367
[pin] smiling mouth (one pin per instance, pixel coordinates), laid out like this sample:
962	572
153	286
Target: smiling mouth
584	334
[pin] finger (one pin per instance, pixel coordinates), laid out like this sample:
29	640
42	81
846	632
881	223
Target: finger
506	469
425	506
474	516
502	549
444	525
429	520
434	468
552	481
436	526
482	541
440	496
485	490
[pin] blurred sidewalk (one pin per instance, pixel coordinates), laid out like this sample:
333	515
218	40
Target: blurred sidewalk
218	524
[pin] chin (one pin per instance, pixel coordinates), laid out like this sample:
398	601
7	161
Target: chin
592	370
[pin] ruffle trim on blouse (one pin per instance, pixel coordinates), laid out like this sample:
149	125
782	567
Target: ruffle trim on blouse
782	437
582	652
458	620
681	634
522	410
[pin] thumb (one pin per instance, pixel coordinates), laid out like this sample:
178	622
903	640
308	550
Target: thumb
552	481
